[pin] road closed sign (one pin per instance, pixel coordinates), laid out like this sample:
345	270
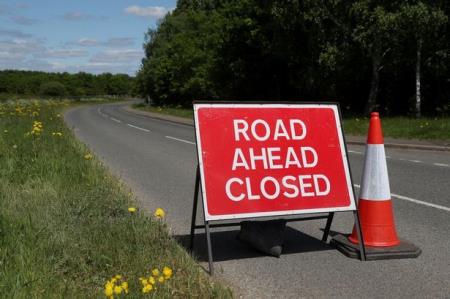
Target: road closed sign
271	159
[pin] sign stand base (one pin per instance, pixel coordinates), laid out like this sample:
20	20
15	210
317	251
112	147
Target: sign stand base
207	226
402	251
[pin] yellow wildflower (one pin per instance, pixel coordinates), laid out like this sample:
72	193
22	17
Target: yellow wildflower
155	272
88	156
118	276
159	213
147	288
167	272
131	209
151	280
109	289
144	282
124	286
118	290
161	279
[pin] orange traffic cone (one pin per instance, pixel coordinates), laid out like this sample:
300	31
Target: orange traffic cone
375	205
375	208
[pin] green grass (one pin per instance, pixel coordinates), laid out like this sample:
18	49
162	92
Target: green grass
403	127
396	127
65	228
175	111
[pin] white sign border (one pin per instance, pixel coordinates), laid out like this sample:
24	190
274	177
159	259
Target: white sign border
334	107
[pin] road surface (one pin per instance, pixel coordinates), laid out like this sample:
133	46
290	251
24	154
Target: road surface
157	159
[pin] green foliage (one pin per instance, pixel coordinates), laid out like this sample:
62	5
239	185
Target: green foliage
53	89
65	84
349	51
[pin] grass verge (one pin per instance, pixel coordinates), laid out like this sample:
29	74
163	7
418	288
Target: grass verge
65	224
175	111
403	127
397	127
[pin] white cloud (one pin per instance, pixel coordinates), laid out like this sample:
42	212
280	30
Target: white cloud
14	33
30	64
119	42
87	42
70	53
21	46
150	11
118	56
115	42
77	16
23	20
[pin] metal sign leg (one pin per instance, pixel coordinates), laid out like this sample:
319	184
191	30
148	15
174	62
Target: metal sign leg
208	244
194	208
326	231
362	248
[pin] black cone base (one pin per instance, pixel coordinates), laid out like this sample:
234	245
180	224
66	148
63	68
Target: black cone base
402	251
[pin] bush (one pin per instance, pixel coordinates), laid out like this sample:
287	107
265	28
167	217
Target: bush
53	89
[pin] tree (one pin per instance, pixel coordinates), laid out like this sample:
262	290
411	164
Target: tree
375	33
53	89
421	22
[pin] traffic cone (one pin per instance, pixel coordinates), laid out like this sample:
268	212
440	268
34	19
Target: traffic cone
375	207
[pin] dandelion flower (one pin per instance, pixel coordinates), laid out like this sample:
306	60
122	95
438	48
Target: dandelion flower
118	290
109	289
161	279
147	288
167	272
151	280
155	272
159	213
132	209
124	286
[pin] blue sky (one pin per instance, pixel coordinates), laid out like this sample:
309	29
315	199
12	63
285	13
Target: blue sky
93	36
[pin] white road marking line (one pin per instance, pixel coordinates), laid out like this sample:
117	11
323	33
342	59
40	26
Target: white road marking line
139	128
388	157
116	120
415	161
441	164
416	201
355	152
101	113
181	140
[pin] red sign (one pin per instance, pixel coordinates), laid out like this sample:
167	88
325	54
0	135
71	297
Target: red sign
271	159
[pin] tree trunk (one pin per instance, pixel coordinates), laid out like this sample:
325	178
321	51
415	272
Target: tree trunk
418	61
371	103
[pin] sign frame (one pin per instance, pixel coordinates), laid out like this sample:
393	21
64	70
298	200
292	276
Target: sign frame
200	179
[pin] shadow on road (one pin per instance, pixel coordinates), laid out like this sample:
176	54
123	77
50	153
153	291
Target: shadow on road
226	247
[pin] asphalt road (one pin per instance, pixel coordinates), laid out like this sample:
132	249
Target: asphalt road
157	159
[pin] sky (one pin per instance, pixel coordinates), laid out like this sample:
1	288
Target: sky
93	36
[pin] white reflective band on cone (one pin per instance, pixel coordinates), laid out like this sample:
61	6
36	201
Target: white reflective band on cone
375	180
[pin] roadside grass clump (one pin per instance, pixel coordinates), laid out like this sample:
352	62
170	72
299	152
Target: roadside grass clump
70	230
